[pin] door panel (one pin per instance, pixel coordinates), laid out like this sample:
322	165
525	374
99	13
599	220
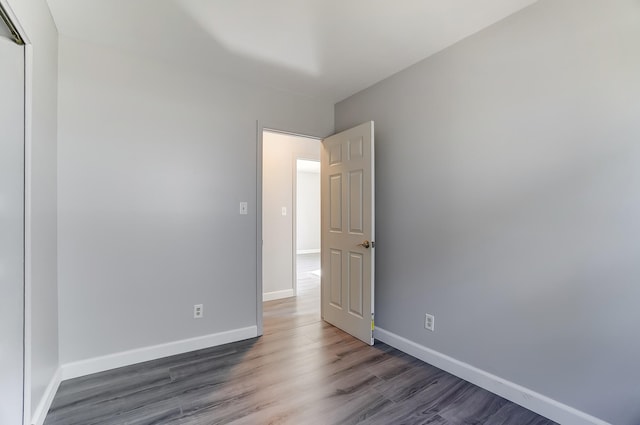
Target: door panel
335	198
356	149
335	264
335	154
356	284
347	175
356	200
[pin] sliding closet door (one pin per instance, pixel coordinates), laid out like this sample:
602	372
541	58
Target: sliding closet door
11	231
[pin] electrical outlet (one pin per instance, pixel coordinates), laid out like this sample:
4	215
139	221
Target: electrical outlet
198	311
429	322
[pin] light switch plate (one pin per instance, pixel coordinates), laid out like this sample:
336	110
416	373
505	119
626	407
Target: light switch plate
244	208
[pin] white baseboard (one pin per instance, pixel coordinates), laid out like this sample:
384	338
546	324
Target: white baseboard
126	358
545	406
276	295
44	404
308	251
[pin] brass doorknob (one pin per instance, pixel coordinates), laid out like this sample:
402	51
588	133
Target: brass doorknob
365	244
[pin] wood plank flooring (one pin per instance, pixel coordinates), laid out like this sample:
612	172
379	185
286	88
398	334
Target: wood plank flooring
302	371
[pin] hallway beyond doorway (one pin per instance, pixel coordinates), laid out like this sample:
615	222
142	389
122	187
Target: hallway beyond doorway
308	275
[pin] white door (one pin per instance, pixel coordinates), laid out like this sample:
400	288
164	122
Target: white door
347	191
11	230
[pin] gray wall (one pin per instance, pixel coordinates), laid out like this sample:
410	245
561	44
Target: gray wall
154	160
36	19
508	202
11	228
279	165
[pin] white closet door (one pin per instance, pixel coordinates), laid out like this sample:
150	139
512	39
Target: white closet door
11	231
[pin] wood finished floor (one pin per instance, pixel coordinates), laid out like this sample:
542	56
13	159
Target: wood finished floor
302	371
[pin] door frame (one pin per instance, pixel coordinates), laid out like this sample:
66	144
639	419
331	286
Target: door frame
260	129
27	214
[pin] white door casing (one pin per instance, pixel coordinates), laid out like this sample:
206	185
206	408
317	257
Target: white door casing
348	231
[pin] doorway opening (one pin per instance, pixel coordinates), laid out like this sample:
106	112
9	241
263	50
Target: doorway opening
290	229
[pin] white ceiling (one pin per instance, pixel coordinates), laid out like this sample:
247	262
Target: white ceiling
328	49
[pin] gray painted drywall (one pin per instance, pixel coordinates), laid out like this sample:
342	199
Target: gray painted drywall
35	18
507	201
11	228
308	211
154	160
279	165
